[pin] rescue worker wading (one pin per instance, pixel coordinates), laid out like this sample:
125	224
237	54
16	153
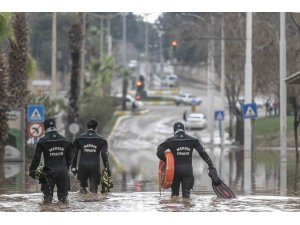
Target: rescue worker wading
181	146
90	145
57	152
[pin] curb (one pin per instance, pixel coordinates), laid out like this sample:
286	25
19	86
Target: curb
159	103
142	112
112	155
158	92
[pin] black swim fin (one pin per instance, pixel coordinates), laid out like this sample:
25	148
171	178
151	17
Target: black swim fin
223	191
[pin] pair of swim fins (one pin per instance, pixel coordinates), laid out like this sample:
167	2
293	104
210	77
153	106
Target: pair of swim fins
223	191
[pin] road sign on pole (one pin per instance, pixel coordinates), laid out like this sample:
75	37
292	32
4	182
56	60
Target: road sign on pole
219	115
35	113
35	130
249	111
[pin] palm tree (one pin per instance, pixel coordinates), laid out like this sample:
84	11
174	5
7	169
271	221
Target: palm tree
18	62
6	32
75	42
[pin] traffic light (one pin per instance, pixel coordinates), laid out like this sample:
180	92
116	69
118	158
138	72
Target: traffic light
174	44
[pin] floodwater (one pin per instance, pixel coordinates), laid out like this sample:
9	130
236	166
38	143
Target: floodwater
269	187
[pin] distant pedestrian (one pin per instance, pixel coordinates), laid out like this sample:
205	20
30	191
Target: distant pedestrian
184	116
267	107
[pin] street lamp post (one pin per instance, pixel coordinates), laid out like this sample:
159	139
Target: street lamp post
161	59
53	57
283	159
82	60
248	99
124	40
146	46
211	73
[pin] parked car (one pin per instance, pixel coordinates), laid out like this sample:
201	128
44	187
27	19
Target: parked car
133	64
169	81
187	99
196	121
130	100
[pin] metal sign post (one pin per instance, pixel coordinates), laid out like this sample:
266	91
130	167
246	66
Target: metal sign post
219	116
74	129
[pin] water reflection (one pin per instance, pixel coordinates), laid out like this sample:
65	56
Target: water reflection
296	177
268	176
12	178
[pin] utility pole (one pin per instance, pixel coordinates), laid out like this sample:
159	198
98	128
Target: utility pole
222	78
101	37
146	47
109	39
53	57
82	60
211	70
161	59
222	92
124	41
248	99
282	63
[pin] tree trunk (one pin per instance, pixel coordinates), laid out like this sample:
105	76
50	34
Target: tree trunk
239	133
296	123
4	81
18	62
75	42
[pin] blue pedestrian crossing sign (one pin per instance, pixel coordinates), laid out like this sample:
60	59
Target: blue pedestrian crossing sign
35	113
219	115
249	111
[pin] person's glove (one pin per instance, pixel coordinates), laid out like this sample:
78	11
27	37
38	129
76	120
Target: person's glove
32	174
213	174
74	170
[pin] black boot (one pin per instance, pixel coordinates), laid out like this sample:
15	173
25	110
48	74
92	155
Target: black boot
83	190
63	200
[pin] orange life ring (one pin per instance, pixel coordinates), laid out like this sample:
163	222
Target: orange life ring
166	171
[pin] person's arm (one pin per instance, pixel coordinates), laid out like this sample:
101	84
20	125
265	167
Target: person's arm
161	151
69	155
36	160
104	156
76	147
199	148
212	172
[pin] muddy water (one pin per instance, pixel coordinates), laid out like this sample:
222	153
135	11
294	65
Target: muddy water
149	201
137	191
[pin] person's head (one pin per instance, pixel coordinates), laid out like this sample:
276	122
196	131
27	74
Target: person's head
92	124
178	127
49	122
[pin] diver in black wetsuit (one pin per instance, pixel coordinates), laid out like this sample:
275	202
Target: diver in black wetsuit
57	152
181	146
90	145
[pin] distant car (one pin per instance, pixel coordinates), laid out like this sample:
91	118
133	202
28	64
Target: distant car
196	121
133	64
170	81
129	101
187	99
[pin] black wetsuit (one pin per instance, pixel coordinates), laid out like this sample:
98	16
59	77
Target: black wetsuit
90	145
57	152
182	145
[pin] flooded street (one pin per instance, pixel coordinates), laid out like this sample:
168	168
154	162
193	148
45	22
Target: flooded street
135	177
149	201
